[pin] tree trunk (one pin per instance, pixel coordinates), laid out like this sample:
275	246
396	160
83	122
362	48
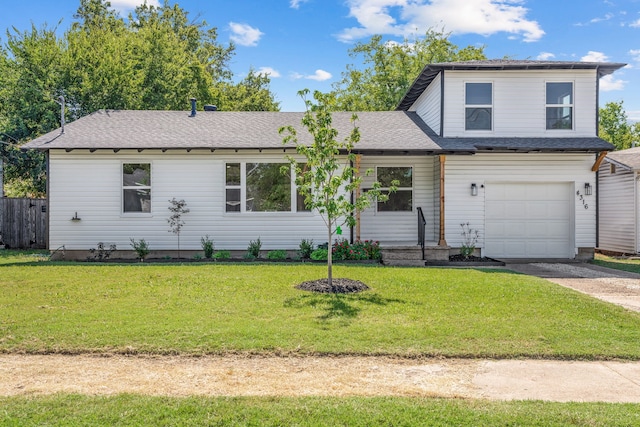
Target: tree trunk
329	257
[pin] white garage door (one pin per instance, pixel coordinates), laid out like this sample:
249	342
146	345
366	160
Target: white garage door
529	220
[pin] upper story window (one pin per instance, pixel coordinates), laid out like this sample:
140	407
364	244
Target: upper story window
402	199
559	105
136	187
478	106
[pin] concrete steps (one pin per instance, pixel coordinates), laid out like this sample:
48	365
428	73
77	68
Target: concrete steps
411	255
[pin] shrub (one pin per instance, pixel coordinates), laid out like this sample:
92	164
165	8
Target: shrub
469	240
320	255
342	250
197	257
207	246
222	255
141	247
277	255
372	248
253	250
305	248
101	253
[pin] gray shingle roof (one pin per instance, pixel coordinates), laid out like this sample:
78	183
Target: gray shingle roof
432	70
115	129
527	144
629	158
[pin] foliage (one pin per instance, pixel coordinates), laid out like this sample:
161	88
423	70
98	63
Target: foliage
305	249
253	250
156	59
141	247
327	179
277	255
207	246
614	127
101	253
469	240
319	254
388	69
177	208
369	249
216	308
223	254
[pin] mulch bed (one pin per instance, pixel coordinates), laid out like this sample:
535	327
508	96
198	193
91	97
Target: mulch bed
338	286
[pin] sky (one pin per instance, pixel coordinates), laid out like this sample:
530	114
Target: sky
304	44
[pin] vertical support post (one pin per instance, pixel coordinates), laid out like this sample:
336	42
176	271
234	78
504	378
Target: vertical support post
441	240
358	193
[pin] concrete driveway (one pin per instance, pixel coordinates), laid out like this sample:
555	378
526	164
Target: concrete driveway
607	284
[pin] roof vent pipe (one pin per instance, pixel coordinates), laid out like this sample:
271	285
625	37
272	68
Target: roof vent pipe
210	108
193	107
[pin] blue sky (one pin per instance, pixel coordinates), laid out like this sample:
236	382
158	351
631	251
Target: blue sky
305	43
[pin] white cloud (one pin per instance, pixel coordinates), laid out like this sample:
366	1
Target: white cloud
295	4
319	75
593	56
406	17
635	24
124	5
608	83
268	71
245	35
635	53
545	56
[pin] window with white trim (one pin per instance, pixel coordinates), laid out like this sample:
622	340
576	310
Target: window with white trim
478	100
559	105
402	199
136	187
260	187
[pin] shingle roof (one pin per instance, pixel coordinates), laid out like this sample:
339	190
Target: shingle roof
629	158
122	129
432	70
527	144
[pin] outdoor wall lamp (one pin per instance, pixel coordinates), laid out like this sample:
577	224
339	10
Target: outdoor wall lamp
587	189
474	189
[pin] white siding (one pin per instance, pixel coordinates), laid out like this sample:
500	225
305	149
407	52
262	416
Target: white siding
428	105
485	169
618	213
401	226
519	102
91	185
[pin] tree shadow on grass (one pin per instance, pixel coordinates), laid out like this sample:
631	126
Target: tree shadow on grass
339	308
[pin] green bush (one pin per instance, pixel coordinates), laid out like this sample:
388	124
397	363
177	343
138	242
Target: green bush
305	249
319	255
207	246
277	255
253	250
141	247
222	255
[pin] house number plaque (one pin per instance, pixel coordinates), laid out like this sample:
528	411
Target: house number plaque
581	197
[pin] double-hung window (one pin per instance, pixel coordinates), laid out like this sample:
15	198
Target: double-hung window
136	187
478	99
402	199
559	101
233	187
258	187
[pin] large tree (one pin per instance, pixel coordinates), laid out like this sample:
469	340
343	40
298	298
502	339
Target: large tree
614	126
155	60
389	68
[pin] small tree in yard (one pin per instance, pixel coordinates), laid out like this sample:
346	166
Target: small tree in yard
177	209
328	179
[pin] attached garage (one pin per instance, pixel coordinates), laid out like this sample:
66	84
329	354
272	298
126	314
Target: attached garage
529	220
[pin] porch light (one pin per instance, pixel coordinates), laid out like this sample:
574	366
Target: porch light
587	189
474	189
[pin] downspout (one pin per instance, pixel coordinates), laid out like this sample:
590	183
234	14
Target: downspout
442	241
48	205
442	104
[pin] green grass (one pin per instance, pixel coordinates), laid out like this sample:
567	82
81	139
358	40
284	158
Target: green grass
207	309
131	410
625	264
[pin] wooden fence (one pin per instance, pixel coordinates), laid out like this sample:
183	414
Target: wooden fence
23	223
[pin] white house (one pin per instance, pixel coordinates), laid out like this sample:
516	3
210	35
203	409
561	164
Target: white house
508	146
619	222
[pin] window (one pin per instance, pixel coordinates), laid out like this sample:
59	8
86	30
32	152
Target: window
478	105
136	187
300	206
560	105
402	199
264	186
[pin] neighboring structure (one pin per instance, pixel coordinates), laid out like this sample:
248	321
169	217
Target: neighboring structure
508	146
619	217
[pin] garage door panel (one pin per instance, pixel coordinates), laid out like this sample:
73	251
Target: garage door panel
529	220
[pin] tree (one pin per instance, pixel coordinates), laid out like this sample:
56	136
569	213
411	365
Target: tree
614	127
177	209
389	68
327	179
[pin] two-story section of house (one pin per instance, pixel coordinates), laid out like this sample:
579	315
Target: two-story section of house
529	186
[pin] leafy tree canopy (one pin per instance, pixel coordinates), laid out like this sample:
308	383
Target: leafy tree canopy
389	68
614	126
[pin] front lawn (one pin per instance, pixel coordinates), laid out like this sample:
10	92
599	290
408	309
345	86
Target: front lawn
131	410
209	308
619	263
